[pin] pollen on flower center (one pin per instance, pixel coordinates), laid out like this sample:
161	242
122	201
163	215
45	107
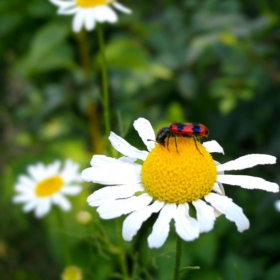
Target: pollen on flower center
90	3
179	176
49	186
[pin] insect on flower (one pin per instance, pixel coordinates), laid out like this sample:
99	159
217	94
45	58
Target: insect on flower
196	131
140	190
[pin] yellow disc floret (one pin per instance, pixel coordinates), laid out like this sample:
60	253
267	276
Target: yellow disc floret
49	186
179	174
90	3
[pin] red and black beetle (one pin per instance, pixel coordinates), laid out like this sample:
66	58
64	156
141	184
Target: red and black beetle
193	130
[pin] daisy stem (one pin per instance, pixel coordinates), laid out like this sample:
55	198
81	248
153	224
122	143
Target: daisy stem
106	109
85	60
178	258
122	258
105	85
64	239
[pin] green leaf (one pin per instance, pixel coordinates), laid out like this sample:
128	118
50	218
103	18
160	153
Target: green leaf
189	268
47	51
273	273
199	45
125	53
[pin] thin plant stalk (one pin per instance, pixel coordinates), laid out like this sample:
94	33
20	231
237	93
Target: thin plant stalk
64	237
106	112
105	85
92	108
177	258
122	257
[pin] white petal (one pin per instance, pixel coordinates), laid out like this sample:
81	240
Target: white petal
62	4
62	202
103	161
146	132
89	20
218	188
109	171
30	205
109	177
21	198
43	208
26	181
70	172
120	207
161	227
104	13
135	220
52	169
186	227
247	162
106	194
121	8
205	215
217	164
24	189
213	147
68	10
125	148
127	159
248	182
277	205
78	20
71	190
232	211
37	172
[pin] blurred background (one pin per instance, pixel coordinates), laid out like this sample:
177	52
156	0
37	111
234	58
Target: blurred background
212	62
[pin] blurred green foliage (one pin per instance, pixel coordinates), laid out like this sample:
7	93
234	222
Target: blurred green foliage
214	62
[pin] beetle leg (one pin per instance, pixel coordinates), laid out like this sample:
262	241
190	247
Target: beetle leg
195	139
168	142
176	144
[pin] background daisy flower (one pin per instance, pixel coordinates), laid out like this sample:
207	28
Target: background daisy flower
169	182
46	185
88	12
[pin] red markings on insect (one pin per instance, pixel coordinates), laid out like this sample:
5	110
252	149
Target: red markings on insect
189	129
196	131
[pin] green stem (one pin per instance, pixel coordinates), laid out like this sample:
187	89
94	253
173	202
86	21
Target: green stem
178	258
63	235
105	86
106	110
122	257
85	59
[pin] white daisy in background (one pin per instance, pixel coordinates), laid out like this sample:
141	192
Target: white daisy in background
170	182
88	12
47	185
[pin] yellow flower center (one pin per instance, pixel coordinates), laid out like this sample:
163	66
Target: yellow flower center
49	186
179	176
90	3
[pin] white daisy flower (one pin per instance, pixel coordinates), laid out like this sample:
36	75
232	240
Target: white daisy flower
88	12
47	185
169	182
